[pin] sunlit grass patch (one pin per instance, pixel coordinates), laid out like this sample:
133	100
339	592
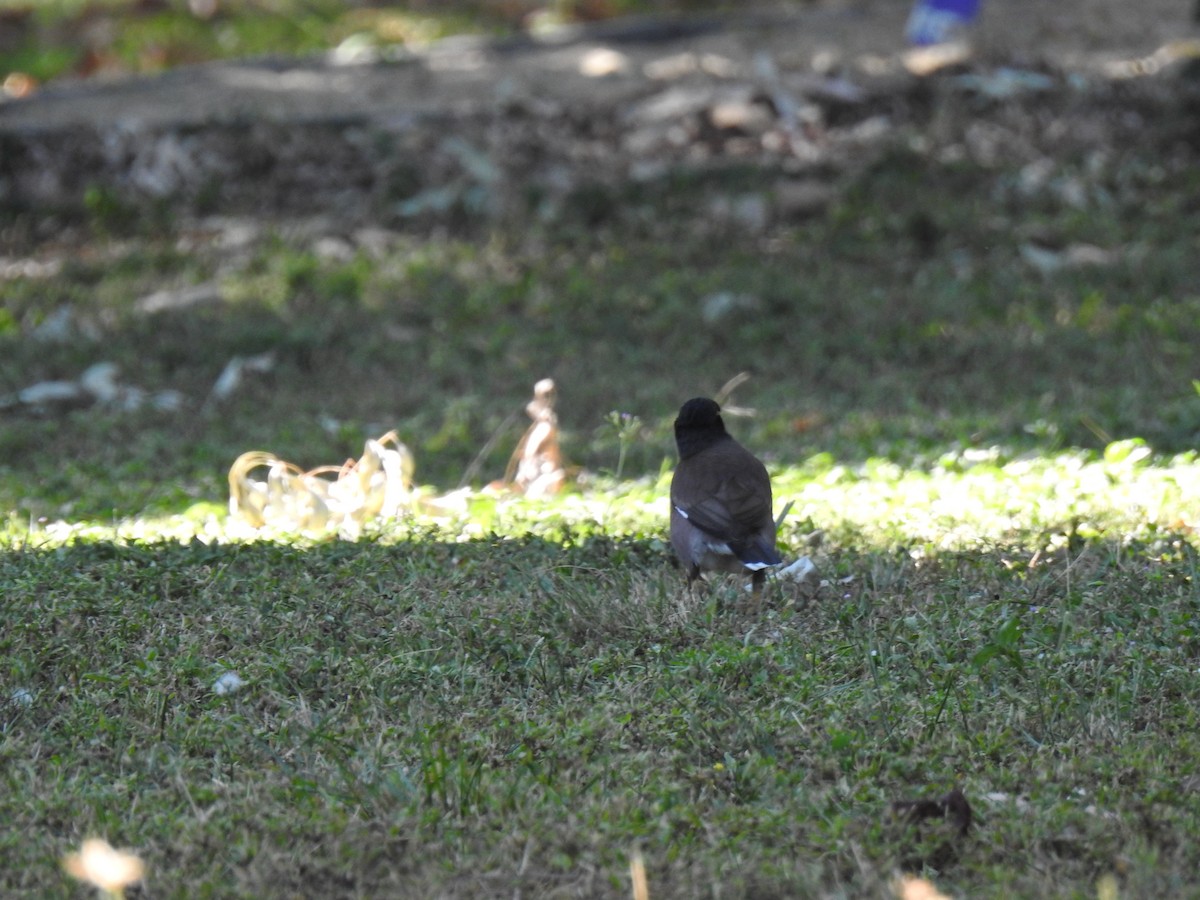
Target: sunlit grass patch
980	497
976	498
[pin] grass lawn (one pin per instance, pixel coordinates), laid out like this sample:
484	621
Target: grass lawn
423	714
515	700
992	462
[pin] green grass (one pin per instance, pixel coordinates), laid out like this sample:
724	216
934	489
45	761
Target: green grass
516	698
428	717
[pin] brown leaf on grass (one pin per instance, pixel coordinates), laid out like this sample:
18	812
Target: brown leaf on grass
801	424
952	807
536	467
931	831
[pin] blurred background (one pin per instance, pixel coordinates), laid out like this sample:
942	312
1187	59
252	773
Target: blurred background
289	226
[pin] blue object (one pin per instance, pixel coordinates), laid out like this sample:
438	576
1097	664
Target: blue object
937	21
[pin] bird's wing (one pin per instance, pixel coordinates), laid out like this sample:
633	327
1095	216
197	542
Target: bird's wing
732	512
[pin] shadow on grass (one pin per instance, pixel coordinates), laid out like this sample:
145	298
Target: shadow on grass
530	712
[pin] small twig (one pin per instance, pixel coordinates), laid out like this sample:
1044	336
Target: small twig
783	514
477	463
637	874
726	392
730	386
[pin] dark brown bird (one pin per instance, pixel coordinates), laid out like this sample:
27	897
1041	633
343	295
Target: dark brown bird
720	499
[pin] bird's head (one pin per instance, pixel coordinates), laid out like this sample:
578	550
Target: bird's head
698	425
699	412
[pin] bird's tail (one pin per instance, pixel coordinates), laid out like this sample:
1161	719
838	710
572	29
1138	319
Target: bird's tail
757	554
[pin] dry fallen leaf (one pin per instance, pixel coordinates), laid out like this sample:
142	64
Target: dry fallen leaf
909	887
99	864
932	831
376	486
952	807
536	467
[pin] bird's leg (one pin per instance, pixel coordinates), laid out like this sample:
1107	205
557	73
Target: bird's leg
757	581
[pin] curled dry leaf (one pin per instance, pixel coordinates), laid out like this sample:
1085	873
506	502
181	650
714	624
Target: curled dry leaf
377	486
